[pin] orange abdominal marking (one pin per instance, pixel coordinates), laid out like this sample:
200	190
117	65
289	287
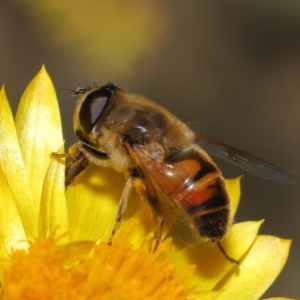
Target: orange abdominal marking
191	166
196	197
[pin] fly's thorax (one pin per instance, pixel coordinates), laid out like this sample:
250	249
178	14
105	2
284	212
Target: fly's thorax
146	121
107	117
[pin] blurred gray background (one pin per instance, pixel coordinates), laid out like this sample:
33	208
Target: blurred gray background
234	66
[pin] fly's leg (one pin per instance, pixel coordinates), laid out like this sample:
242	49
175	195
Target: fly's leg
234	261
158	232
76	166
71	152
122	206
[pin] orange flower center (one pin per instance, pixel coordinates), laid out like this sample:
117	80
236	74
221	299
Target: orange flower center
86	270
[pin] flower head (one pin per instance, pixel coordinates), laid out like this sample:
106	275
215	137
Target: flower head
53	244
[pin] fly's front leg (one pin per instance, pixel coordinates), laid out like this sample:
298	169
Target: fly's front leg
122	206
71	152
75	167
78	163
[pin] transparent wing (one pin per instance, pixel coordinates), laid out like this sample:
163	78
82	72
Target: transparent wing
157	185
244	160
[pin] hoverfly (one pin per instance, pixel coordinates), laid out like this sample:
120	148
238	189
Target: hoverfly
163	158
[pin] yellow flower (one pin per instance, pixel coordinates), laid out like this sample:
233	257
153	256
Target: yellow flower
53	244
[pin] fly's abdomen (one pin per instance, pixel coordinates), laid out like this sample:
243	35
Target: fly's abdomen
203	195
210	209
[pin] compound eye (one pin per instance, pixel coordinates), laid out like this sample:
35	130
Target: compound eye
92	108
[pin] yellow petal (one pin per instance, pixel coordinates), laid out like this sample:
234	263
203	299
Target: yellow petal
11	228
92	201
13	169
204	296
234	190
39	129
212	265
280	298
53	208
258	270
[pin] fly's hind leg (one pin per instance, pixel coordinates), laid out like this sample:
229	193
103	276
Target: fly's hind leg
122	206
234	261
158	232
